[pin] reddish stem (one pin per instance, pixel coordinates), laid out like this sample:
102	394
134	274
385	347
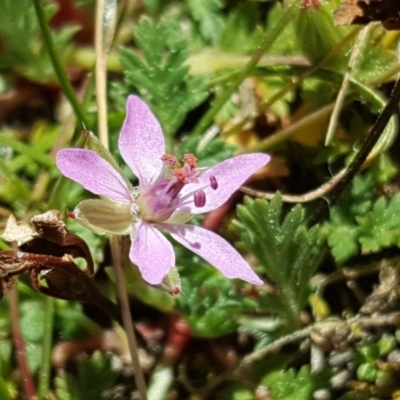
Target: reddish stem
178	336
27	380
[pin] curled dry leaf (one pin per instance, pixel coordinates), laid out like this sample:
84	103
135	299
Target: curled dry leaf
48	253
53	238
19	232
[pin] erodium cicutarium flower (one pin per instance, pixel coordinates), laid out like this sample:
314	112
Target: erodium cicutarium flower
169	195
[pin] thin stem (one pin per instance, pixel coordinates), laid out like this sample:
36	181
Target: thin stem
355	56
55	59
268	40
101	75
293	84
45	369
321	191
127	316
273	347
27	381
299	126
369	143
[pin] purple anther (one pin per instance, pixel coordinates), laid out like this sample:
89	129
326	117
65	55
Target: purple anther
199	198
213	182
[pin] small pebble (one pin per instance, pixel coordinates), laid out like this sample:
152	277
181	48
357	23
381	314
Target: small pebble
339	359
339	380
322	394
394	357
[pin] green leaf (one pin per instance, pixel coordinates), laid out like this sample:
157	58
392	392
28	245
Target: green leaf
316	34
289	385
240	32
19	33
343	230
211	303
343	242
208	17
212	307
361	225
380	228
64	386
286	249
378	59
160	75
94	378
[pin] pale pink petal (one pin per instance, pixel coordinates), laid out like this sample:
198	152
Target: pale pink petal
229	175
152	253
141	141
215	250
93	173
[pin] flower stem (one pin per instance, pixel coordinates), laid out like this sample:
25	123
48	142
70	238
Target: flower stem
101	48
127	316
55	60
268	40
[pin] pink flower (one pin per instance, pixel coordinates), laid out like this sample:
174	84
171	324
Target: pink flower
167	197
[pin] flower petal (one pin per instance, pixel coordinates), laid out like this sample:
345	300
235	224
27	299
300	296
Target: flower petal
105	216
92	172
229	175
141	141
152	253
214	249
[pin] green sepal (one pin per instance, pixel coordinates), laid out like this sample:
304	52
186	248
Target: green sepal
317	36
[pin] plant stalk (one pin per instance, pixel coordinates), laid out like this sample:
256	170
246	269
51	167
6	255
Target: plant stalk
57	65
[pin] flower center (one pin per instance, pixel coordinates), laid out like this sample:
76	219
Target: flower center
160	200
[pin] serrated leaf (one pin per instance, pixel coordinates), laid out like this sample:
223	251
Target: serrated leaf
360	225
316	34
380	228
211	306
94	377
343	242
286	249
160	76
64	386
208	17
240	32
20	34
289	385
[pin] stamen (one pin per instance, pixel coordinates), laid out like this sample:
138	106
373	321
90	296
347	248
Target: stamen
199	198
180	175
191	160
170	160
213	182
